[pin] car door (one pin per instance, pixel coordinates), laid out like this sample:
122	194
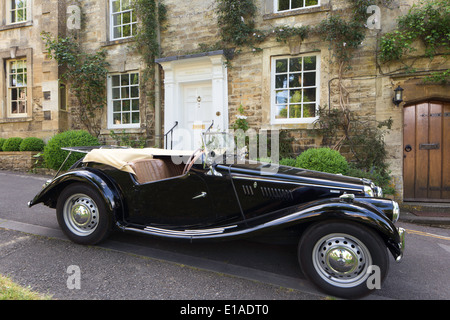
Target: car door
180	201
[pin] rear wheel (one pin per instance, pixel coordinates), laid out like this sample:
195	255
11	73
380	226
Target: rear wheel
83	215
339	258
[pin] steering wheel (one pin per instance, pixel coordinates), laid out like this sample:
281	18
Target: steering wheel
192	159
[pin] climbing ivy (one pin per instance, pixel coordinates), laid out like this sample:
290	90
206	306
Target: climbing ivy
427	22
86	74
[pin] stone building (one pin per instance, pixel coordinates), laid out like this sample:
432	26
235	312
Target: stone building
32	100
276	77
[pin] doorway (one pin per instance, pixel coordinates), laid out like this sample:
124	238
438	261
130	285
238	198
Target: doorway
198	113
426	151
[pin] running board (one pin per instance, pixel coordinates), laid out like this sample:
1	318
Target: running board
189	234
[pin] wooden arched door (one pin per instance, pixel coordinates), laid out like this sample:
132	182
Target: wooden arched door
426	151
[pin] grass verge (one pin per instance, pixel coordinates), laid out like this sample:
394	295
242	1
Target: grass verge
12	291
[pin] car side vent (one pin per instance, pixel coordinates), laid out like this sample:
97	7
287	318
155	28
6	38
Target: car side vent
275	193
248	190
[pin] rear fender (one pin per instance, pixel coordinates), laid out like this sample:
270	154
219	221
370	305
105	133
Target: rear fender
105	187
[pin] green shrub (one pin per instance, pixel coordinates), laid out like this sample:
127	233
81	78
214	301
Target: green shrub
2	141
380	177
12	144
322	159
54	156
288	162
32	144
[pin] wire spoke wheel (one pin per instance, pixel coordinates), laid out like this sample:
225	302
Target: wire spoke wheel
81	214
341	260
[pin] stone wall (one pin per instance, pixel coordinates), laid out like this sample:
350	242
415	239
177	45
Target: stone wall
17	161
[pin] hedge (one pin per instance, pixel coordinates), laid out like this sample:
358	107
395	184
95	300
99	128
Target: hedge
54	156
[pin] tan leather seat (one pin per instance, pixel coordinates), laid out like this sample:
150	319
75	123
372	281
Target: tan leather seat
148	170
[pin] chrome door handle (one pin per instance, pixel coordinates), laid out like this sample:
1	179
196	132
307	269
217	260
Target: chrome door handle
201	195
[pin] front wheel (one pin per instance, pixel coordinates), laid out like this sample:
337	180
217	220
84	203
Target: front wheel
339	257
83	215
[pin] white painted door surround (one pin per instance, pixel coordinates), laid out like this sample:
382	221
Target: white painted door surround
195	96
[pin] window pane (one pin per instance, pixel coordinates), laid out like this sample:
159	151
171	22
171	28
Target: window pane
135	117
309	63
295	80
124	80
309	110
295	111
126	105
126	5
135	104
134	92
126	18
116	6
14	108
115	81
117	118
125	118
295	96
118	32
295	64
281	66
134	78
14	94
281	112
126	29
281	97
125	92
309	95
116	93
117	106
296	4
281	81
309	79
311	3
283	5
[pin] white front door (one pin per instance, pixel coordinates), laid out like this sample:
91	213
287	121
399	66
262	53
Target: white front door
198	113
195	95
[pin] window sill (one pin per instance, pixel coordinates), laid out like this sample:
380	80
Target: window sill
120	130
16	119
16	25
117	42
296	12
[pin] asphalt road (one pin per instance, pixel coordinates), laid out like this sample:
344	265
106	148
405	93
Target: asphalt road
35	253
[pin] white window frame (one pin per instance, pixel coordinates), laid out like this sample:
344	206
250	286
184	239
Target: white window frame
112	14
276	2
10	86
274	105
10	10
114	98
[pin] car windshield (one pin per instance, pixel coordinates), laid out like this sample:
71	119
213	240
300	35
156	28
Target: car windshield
220	147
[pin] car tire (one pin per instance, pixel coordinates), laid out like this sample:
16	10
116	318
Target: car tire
83	215
339	257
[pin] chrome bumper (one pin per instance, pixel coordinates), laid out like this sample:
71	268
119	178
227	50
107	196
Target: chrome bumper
401	233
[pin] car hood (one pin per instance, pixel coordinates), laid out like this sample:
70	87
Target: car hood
297	175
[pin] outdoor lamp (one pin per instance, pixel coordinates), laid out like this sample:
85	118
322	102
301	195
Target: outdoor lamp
398	96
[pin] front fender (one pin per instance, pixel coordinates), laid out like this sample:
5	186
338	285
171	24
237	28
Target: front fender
357	212
105	187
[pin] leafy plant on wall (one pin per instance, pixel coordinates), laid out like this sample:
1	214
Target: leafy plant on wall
427	22
86	75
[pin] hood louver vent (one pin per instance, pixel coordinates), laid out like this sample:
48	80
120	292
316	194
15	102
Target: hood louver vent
275	193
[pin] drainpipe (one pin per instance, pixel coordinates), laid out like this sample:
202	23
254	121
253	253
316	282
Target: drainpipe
158	90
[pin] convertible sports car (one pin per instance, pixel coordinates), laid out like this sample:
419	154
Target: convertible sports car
343	225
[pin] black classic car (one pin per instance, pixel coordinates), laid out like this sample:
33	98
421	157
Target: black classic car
342	225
